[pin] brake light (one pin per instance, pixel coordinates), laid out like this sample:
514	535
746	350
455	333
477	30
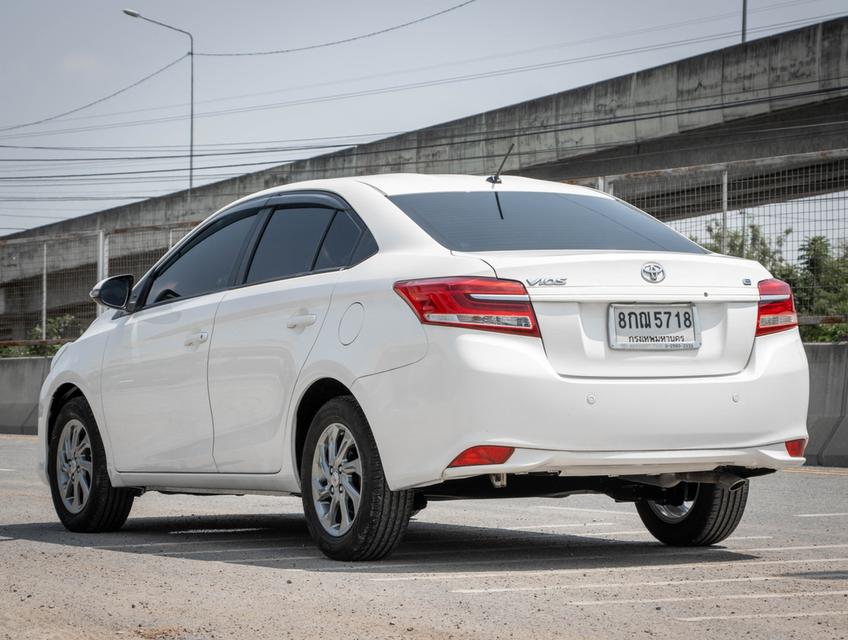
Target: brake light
489	304
483	454
795	448
777	307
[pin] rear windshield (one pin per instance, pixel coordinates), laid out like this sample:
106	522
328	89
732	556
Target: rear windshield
522	221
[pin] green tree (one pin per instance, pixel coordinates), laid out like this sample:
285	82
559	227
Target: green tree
819	280
58	328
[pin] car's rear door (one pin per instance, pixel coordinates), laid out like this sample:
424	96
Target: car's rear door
265	328
154	381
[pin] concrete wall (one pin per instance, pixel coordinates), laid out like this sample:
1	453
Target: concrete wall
827	419
20	382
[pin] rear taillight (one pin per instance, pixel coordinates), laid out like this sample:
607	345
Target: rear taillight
475	303
795	448
777	307
482	455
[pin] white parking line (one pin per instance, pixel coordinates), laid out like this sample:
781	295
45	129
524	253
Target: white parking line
607	511
803	548
821	515
170	543
470	575
723	596
8	470
751	616
208	531
561	526
198	552
617	585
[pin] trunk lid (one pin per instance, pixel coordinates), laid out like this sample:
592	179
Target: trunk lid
572	293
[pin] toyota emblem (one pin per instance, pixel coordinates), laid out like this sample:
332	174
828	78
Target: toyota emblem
653	272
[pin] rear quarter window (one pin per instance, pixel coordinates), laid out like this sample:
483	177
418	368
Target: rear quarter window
526	221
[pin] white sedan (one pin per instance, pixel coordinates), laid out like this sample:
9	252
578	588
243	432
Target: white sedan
374	342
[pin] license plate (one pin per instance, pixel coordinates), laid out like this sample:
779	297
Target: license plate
654	327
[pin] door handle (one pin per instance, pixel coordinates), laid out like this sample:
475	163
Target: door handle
301	321
197	338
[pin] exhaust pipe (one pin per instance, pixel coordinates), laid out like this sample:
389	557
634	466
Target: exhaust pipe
724	479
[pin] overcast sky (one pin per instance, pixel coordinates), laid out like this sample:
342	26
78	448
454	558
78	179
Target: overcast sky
60	54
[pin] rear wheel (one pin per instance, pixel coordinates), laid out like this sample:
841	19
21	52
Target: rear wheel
709	516
350	511
83	496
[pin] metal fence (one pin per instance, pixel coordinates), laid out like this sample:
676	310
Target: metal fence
790	213
44	281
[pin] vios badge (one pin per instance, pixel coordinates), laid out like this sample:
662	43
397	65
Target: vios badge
653	272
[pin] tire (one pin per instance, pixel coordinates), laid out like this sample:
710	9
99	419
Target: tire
712	516
104	508
376	523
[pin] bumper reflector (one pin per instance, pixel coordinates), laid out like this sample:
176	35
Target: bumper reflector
483	454
795	448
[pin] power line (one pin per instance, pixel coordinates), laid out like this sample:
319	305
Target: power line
337	42
99	100
508	134
421	84
612	36
54	181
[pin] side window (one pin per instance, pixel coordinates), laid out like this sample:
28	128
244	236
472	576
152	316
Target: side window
289	243
205	266
366	248
339	243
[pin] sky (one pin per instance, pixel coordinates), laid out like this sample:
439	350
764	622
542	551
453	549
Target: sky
251	110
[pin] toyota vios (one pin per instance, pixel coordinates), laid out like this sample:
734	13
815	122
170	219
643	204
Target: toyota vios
371	343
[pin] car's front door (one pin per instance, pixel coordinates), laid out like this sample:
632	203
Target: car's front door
265	329
154	380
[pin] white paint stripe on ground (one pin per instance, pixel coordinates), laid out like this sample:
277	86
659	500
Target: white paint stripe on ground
800	548
561	526
470	575
8	470
635	532
276	559
169	543
200	552
617	585
821	515
208	531
607	511
722	596
752	616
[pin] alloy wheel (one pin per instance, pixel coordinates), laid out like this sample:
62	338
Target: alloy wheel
74	466
336	479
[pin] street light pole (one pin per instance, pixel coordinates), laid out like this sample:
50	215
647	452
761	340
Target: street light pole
744	19
135	14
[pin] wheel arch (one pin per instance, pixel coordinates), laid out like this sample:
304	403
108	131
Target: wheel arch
316	396
63	393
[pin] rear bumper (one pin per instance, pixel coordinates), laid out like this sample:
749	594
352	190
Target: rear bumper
621	463
476	388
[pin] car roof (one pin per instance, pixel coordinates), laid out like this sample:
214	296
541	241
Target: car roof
392	184
403	183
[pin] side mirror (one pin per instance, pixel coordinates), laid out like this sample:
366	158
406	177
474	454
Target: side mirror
113	292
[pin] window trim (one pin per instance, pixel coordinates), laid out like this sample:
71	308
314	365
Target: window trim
299	200
214	226
263	207
242	279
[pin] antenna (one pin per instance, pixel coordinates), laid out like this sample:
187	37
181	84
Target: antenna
496	179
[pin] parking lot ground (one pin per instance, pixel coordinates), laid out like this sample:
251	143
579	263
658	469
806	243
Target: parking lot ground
582	567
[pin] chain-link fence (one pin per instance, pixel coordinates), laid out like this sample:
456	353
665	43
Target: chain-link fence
45	281
789	213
